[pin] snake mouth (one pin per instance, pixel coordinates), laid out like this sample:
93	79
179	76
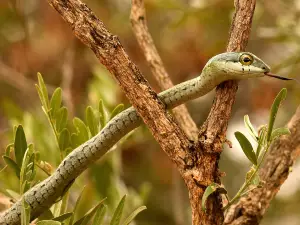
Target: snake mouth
276	76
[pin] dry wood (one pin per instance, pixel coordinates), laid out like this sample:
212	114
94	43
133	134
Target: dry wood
140	28
198	168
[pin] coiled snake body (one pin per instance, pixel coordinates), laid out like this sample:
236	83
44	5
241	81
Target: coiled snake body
225	66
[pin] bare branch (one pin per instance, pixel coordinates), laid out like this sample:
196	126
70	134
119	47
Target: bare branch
212	134
281	157
107	47
139	25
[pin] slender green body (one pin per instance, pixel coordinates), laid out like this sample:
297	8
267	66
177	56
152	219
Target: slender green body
226	66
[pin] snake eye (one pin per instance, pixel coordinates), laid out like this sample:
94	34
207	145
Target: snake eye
246	59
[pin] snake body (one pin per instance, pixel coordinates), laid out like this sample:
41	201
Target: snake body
225	66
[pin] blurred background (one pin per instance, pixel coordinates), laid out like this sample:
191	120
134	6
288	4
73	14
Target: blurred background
34	38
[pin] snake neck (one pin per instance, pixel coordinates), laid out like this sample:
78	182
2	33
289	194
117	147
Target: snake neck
191	89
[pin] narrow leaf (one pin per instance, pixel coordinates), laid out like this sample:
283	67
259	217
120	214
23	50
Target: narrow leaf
61	118
25	213
11	163
8	149
98	219
129	219
64	140
119	108
89	215
91	120
55	101
46	215
48	222
82	130
102	113
14	195
24	169
75	140
20	145
39	91
280	131
208	191
76	206
274	109
44	91
250	128
246	147
63	217
261	140
118	212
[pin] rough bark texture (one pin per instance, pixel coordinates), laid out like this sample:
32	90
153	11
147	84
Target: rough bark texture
281	157
198	168
108	49
212	134
139	25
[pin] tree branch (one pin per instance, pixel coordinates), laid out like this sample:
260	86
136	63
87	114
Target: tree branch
139	26
281	157
212	134
108	49
198	168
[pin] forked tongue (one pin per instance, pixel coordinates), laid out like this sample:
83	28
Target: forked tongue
278	77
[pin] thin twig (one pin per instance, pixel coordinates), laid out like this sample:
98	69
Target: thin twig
140	28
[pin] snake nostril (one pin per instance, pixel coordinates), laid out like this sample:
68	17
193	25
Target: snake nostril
263	68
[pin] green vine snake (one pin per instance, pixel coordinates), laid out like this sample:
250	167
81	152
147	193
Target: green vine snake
222	67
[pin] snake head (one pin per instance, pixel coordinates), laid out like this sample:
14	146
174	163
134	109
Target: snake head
237	66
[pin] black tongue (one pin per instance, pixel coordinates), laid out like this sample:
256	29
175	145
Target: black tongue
278	77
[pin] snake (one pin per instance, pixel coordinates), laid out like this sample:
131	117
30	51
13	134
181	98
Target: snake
220	68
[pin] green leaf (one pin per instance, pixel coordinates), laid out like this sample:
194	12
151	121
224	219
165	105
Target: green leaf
102	113
82	130
61	118
89	215
64	140
119	108
25	177
246	147
129	219
250	128
48	222
208	191
63	217
14	195
261	140
20	145
118	212
43	92
39	91
98	219
75	140
91	120
11	163
280	131
25	213
55	101
76	206
256	180
274	109
8	149
46	215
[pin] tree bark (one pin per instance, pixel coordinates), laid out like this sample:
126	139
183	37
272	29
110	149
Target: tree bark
139	26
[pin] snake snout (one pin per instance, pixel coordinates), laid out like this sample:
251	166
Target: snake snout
266	69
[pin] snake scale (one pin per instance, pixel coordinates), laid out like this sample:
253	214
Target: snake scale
225	66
